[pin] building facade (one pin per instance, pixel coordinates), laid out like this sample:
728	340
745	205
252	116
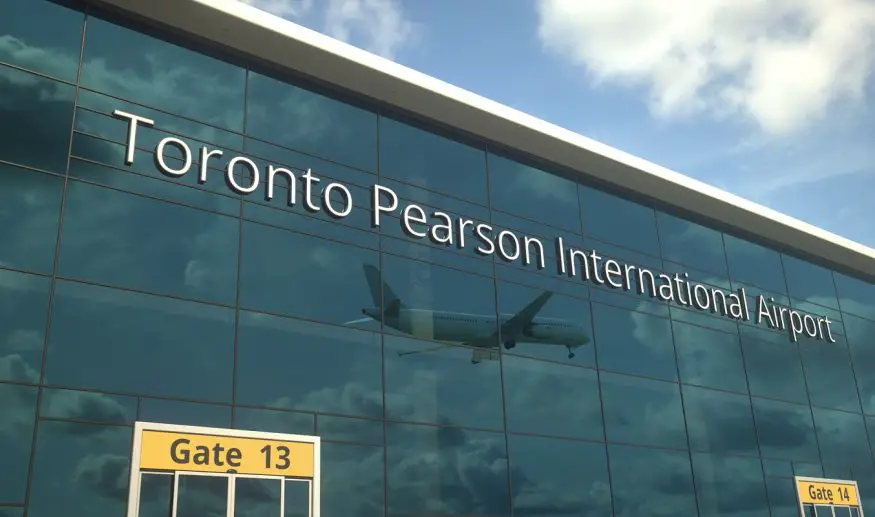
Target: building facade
195	238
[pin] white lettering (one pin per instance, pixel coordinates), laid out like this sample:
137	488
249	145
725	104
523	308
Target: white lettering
380	208
232	181
272	172
133	120
419	218
206	154
186	154
347	200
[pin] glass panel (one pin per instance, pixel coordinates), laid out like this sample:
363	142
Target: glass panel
150	71
842	437
427	302
634	342
431	161
24	303
107	128
287	210
137	182
552	399
830	376
774	369
541	281
256	496
80	469
533	193
35	120
808	469
342	429
43	37
432	254
557	477
808	282
730	486
866	387
11	511
341	374
616	220
785	431
88	406
198	496
293	117
691	244
775	467
297	500
295	274
446	471
719	422
181	251
641	411
436	208
861	340
703	319
709	358
170	348
273	421
325	170
753	264
562	326
651	483
17	415
148	137
156	495
433	384
856	296
29	218
353	480
184	413
144	178
782	497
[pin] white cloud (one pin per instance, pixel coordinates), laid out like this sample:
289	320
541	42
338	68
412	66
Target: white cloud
379	23
284	8
379	26
782	63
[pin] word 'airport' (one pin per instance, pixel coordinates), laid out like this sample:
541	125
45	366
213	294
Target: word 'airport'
336	199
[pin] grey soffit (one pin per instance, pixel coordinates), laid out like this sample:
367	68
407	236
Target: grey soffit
270	39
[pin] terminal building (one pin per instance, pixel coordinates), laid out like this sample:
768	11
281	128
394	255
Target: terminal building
213	217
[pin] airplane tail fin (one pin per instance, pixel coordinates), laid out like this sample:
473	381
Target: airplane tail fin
381	293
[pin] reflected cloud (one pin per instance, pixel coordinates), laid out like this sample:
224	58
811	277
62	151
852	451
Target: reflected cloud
105	474
85	406
350	399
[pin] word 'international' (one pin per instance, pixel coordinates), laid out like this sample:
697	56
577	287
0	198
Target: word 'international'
441	228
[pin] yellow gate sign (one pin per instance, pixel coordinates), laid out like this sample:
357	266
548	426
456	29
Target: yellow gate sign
186	462
827	492
200	452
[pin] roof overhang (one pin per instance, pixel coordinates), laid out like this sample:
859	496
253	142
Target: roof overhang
243	29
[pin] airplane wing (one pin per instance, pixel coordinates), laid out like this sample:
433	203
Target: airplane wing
520	320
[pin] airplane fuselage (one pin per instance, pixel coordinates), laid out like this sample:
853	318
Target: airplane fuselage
476	329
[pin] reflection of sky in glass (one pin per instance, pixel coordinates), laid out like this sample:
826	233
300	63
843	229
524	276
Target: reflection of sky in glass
160	336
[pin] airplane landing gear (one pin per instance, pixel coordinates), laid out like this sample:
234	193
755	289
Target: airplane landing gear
570	353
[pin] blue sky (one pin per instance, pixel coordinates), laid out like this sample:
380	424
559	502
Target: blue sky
770	100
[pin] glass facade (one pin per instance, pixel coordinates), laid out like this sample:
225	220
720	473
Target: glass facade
129	295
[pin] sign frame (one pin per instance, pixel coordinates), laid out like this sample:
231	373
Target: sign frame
135	473
804	479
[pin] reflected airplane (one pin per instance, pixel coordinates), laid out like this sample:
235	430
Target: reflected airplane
481	332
